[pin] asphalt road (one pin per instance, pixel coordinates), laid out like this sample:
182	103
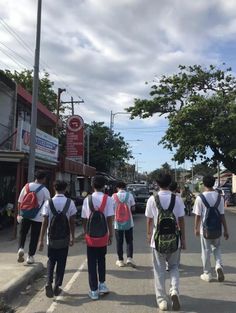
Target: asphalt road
131	290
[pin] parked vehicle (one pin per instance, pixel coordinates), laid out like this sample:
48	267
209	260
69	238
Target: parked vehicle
141	195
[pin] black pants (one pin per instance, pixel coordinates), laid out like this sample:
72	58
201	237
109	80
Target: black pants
56	257
96	266
120	234
26	224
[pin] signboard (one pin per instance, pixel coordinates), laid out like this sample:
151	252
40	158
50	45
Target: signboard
46	145
75	138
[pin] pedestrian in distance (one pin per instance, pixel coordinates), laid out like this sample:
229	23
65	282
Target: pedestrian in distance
123	224
59	222
173	187
209	219
166	236
30	202
97	214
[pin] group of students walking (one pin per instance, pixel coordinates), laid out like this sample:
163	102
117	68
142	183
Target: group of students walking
102	216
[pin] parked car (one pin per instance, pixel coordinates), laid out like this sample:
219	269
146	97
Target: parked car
141	195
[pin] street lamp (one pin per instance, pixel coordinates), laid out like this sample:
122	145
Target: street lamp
113	117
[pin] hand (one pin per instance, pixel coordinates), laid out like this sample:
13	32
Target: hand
40	245
226	235
197	232
183	244
19	219
110	240
72	241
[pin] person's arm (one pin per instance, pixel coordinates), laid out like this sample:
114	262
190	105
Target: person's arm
110	228
223	221
149	229
42	233
197	222
72	229
182	231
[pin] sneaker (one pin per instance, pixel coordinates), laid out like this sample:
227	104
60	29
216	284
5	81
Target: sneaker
175	301
130	262
94	294
220	274
102	288
20	255
57	290
206	277
120	263
30	259
163	305
49	291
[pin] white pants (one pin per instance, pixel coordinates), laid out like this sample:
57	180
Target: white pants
208	246
159	266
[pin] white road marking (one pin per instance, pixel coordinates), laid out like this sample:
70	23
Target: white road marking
67	287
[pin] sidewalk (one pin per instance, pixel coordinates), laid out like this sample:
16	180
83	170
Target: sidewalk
16	276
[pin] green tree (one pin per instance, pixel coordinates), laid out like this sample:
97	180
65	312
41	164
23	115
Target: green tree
201	109
47	96
107	149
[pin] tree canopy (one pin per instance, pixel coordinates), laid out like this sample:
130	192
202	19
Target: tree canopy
47	96
201	110
106	149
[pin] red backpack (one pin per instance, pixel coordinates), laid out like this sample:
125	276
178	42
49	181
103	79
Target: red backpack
29	206
96	234
122	213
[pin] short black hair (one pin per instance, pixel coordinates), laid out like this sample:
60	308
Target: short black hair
41	174
208	181
173	186
121	185
98	182
163	180
60	185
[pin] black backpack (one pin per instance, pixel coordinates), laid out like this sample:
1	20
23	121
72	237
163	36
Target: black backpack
167	233
59	229
212	225
96	234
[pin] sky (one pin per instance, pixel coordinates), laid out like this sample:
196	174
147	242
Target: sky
103	51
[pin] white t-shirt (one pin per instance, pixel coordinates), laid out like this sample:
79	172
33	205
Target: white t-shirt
200	209
42	196
121	195
97	197
59	201
152	211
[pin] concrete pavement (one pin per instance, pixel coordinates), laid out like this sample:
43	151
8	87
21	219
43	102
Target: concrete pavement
14	276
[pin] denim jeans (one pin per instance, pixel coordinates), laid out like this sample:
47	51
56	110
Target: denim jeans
159	266
208	246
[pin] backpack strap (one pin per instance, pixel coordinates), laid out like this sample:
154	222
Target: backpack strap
27	188
172	202
117	199
158	203
90	203
103	204
52	207
39	188
66	206
207	205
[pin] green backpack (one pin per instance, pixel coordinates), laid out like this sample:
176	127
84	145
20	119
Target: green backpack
167	233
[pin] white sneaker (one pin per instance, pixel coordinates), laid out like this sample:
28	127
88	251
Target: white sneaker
130	262
206	277
220	274
93	295
20	255
102	288
175	300
30	260
120	263
163	305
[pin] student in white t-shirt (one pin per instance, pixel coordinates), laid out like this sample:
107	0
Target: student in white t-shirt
57	256
32	224
208	245
96	256
160	259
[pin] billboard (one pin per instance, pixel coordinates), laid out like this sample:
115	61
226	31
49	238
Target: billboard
75	138
46	145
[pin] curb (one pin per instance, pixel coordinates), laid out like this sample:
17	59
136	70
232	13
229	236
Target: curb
15	286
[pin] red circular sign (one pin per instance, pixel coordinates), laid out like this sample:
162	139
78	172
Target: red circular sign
75	123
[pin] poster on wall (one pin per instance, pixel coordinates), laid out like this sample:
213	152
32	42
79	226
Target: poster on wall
46	145
75	138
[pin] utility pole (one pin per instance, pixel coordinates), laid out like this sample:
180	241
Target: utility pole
59	92
31	166
72	102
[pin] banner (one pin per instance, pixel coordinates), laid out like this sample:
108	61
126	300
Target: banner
46	145
75	138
